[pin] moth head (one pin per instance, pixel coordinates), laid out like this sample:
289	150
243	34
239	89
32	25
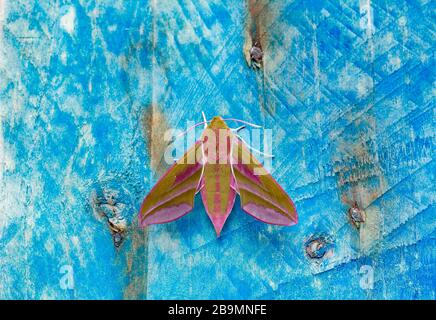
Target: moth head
218	123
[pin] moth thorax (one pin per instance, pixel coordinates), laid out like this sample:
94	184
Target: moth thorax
217	145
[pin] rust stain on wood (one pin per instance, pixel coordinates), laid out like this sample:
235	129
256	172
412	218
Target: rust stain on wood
255	32
155	125
255	49
136	264
360	178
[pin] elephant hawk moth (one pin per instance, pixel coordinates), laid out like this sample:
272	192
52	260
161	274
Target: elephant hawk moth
218	166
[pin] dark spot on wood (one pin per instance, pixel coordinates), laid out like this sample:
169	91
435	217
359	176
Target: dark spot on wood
317	247
256	54
118	239
356	216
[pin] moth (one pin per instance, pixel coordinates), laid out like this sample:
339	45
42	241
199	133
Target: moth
218	166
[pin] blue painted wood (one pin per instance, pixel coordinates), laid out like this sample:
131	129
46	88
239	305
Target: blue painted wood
88	90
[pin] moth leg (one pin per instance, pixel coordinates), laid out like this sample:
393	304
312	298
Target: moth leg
200	184
238	129
199	189
233	185
204	119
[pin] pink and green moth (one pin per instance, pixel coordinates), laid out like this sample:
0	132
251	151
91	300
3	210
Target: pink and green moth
218	166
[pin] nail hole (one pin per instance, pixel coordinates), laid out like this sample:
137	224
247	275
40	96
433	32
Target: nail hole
318	247
256	55
356	216
118	239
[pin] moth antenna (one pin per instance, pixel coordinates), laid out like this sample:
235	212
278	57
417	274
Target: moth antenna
239	128
245	122
231	161
204	119
255	150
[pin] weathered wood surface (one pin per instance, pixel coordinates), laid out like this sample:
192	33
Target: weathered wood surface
87	89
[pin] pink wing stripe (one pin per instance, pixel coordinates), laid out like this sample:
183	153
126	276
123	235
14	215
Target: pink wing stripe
264	196
170	196
167	214
267	215
172	167
247	172
187	173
